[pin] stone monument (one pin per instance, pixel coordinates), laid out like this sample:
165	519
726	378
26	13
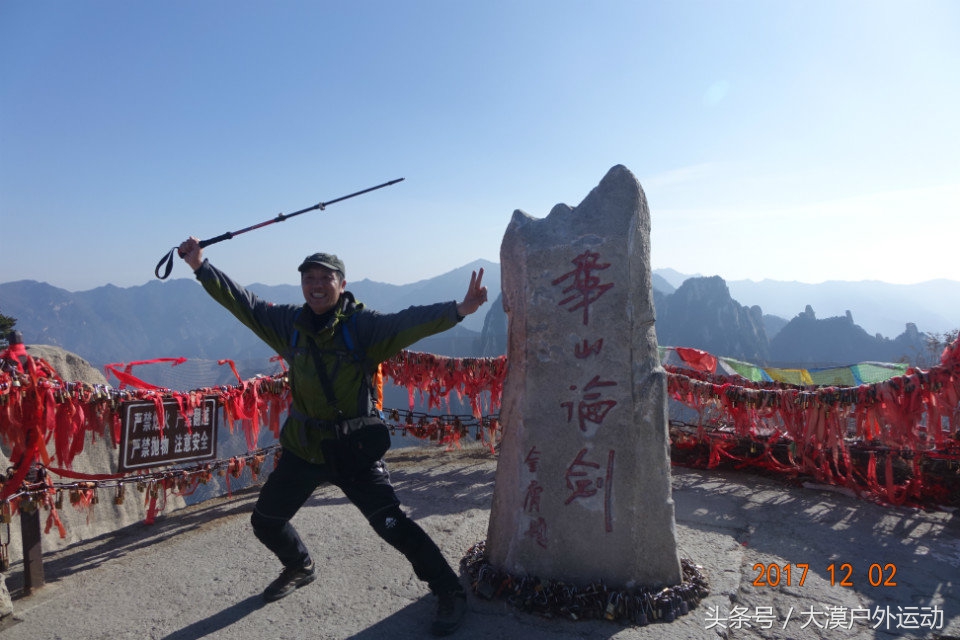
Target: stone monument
583	479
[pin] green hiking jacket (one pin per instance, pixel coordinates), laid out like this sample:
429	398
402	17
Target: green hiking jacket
307	341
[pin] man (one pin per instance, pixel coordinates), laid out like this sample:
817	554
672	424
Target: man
332	344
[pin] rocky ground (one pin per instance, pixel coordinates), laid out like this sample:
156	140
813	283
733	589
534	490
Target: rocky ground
198	572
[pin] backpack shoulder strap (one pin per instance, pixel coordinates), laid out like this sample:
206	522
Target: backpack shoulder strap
369	398
295	336
352	346
370	395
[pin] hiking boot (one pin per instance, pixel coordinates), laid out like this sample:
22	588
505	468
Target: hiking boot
451	609
291	578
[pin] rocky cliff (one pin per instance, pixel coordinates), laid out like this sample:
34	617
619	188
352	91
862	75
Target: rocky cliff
839	341
701	314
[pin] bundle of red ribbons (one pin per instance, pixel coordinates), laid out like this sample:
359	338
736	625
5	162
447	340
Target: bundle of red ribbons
915	416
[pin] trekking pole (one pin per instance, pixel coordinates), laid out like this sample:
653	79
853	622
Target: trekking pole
168	259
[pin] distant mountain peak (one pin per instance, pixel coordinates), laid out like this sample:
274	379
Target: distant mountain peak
176	318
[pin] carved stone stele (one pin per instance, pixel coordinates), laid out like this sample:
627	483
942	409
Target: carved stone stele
583	478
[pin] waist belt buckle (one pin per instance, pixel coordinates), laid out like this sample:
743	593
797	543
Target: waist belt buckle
344	428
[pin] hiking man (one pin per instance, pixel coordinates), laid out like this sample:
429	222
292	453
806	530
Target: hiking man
332	345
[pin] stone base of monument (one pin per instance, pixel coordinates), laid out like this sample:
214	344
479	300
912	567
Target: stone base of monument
637	606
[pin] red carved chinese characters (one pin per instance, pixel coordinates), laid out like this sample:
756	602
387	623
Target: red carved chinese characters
531	503
537	528
532	459
586	349
588	479
591	408
584	484
538	532
586	287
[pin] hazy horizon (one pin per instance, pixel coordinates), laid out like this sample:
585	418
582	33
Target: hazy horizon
659	271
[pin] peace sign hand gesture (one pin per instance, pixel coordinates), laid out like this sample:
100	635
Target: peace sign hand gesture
476	295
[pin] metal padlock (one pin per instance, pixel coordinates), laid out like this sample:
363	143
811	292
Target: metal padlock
666	610
486	590
639	616
28	504
4	554
256	464
611	611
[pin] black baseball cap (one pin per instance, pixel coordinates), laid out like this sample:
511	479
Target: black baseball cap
327	260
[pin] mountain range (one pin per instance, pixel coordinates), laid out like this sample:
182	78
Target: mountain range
763	322
879	307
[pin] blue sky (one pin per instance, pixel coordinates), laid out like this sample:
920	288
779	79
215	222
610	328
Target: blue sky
806	141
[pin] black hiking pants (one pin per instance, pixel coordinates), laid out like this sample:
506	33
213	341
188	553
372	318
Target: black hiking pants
293	481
